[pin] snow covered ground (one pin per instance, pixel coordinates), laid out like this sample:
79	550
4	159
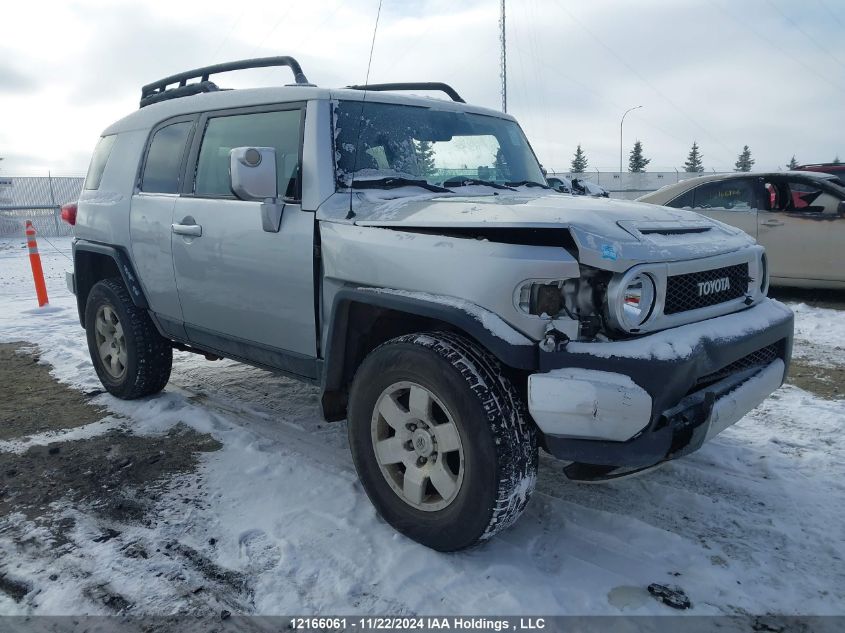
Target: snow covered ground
275	521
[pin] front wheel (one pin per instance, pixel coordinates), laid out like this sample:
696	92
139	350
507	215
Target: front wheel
440	440
131	358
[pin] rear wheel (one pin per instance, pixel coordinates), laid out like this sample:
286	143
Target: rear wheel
440	440
131	358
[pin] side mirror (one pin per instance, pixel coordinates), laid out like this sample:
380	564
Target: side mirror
252	174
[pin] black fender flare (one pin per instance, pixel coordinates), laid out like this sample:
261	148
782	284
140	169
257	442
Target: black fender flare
522	357
123	265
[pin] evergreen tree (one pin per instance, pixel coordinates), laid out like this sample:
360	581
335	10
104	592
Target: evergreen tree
425	158
637	162
836	160
792	164
693	164
579	161
744	162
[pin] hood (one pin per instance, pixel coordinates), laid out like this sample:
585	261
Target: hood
609	234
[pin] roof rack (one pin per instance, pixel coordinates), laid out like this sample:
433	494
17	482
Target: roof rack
158	90
419	85
822	165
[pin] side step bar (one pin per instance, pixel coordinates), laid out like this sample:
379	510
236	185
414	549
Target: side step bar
596	474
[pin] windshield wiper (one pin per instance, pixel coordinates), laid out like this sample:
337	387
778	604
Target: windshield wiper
460	181
395	183
527	183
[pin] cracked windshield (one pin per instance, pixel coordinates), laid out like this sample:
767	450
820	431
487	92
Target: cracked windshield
437	150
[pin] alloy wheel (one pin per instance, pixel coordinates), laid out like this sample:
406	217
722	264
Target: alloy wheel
417	446
111	343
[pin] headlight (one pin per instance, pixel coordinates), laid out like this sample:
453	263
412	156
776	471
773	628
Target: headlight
636	299
540	298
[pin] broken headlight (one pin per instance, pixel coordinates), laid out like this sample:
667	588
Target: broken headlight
579	298
541	298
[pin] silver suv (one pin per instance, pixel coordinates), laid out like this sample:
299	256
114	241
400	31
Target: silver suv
407	256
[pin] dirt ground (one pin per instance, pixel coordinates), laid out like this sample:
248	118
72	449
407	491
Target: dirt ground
826	382
29	394
113	473
116	476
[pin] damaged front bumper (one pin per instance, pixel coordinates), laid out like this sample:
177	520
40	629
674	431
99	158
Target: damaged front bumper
636	403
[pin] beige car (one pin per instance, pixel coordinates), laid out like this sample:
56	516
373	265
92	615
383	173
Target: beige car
799	217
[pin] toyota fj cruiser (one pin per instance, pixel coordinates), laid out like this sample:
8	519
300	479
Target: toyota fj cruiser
406	255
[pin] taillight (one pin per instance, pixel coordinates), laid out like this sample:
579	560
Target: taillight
69	213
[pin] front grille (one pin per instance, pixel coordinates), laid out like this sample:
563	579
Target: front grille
760	358
705	288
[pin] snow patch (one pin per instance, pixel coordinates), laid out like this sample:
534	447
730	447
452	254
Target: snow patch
78	433
819	324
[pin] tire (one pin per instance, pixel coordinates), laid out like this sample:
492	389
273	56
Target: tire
489	477
138	359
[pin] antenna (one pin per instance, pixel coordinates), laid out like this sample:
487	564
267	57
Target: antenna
351	214
503	59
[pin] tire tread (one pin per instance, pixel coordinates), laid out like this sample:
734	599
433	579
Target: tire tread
514	434
155	354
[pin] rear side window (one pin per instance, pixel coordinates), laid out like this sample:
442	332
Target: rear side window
684	200
98	161
280	130
733	194
164	158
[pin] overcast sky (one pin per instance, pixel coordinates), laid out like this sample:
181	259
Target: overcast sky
767	73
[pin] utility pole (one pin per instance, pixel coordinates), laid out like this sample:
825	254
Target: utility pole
503	59
621	146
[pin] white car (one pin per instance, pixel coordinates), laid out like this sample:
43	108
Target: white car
799	216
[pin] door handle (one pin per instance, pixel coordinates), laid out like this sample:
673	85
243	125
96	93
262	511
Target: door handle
192	230
772	223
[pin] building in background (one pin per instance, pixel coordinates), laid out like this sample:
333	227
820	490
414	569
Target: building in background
628	186
5	195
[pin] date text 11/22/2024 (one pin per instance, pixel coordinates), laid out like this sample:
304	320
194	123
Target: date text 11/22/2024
417	624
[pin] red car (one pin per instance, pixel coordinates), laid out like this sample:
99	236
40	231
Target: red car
837	169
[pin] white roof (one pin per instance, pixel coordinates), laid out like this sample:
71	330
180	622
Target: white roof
149	116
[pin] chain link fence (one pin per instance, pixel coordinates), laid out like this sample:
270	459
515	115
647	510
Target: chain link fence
38	199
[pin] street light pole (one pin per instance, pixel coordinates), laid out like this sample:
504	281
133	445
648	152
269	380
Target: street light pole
621	147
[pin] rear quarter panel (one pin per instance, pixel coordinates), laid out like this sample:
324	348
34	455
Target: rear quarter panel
103	213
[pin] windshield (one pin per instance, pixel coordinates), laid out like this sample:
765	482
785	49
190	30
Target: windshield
381	142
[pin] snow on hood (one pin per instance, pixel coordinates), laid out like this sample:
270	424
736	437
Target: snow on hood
610	234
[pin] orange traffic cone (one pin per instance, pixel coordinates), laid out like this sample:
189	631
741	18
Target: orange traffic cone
35	262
